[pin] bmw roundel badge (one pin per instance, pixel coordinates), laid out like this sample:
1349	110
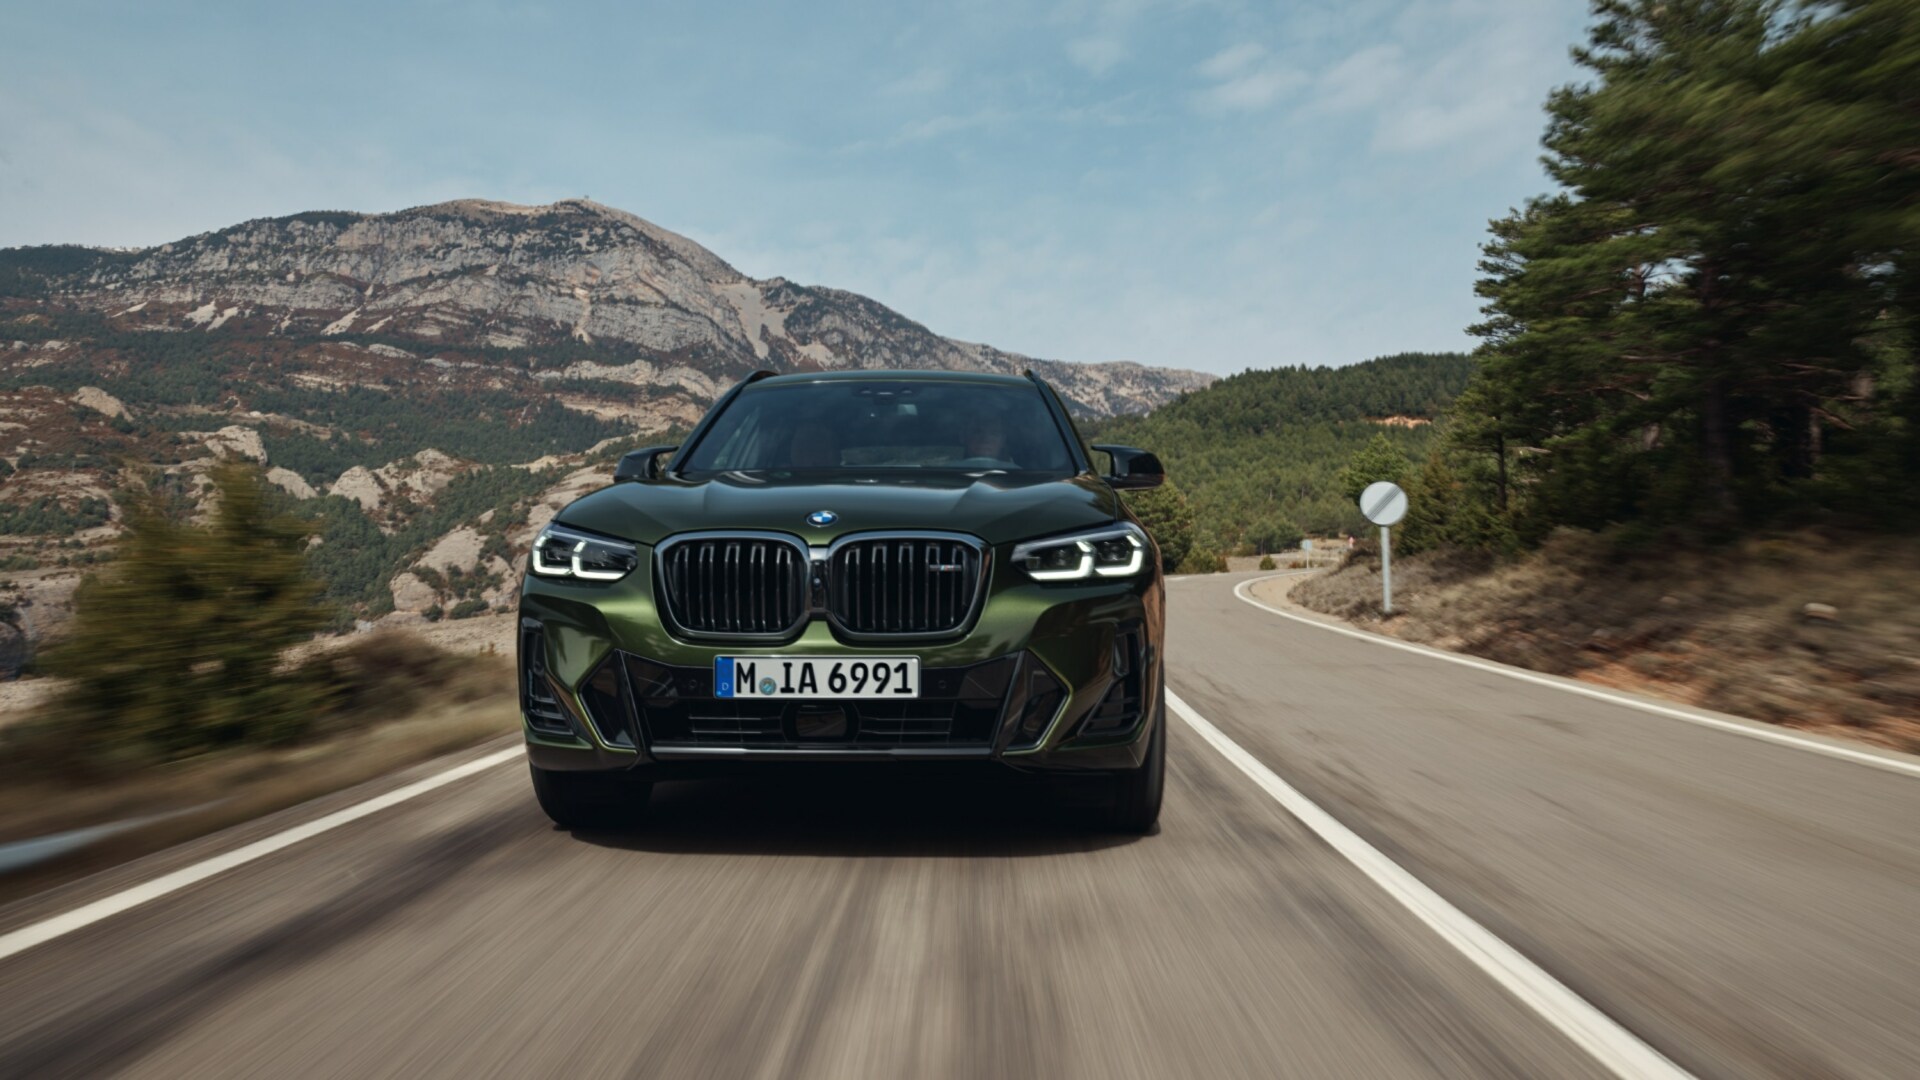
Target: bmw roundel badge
820	519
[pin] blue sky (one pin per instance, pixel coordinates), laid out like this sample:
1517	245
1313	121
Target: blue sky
1209	185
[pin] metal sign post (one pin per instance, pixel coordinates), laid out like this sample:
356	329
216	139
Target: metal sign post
1386	569
1384	504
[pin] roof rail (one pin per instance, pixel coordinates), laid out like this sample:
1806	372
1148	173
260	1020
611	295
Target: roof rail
763	373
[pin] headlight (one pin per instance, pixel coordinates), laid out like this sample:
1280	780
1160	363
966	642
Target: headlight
1112	551
562	552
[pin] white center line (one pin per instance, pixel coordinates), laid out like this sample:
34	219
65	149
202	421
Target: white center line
46	930
1618	1050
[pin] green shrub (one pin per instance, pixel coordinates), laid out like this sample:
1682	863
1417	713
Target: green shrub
1267	563
176	650
1203	561
46	516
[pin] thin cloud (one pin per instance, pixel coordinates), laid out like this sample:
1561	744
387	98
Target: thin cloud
1231	60
1096	55
919	82
1245	79
1369	77
1457	79
934	127
1255	90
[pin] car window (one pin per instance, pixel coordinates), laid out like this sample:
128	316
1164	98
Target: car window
880	424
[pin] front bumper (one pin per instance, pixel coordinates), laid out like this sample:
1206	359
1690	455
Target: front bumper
1049	676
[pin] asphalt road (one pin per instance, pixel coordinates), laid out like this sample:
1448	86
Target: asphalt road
1743	908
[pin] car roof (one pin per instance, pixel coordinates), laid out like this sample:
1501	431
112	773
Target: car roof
889	375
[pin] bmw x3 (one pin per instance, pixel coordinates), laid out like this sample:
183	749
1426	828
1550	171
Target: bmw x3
874	566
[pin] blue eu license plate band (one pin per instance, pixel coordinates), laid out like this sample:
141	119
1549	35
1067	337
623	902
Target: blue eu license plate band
723	677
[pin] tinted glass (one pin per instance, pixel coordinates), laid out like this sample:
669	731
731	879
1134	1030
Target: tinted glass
868	425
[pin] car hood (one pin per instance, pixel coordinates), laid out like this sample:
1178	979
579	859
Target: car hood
998	508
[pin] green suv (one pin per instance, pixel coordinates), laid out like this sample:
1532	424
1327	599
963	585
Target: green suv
883	566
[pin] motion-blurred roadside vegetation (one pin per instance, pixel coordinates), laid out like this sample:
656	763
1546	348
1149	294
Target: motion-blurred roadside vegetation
1711	326
180	647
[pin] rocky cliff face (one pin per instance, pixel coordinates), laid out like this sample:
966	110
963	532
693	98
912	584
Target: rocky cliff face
645	306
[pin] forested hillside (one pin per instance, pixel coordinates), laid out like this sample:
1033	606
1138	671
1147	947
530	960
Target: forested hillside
1711	326
1258	455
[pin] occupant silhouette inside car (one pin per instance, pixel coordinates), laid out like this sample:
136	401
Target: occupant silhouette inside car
813	446
986	445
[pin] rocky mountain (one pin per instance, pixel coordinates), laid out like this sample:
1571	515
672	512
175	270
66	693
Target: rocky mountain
630	301
426	385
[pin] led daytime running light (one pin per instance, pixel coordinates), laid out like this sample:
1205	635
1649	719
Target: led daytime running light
573	566
1087	566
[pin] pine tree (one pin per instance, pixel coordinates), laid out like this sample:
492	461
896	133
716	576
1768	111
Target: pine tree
1378	460
1719	299
1168	519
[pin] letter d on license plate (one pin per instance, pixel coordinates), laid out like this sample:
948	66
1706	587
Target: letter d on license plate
816	677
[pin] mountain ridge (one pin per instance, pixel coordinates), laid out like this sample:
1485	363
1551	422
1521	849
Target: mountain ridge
502	275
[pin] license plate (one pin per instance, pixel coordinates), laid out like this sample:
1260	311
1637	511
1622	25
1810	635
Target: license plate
816	677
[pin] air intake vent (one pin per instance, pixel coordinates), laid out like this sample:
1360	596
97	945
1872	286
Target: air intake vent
605	695
543	710
901	585
740	586
1038	704
1119	708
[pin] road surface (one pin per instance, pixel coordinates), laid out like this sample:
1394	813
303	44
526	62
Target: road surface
1736	907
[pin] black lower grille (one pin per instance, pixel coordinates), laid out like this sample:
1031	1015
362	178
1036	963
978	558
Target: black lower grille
1040	701
1119	709
958	707
537	696
917	585
605	697
737	586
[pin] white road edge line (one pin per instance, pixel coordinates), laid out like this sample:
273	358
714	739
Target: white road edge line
46	930
1752	729
1614	1047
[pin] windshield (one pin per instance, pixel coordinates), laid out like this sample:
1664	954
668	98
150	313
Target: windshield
879	424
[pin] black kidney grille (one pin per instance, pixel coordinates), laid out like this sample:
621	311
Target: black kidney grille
911	585
735	585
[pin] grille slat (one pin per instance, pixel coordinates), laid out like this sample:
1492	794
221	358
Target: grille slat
905	585
734	585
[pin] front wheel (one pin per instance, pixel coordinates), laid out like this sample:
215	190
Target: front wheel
1137	791
590	800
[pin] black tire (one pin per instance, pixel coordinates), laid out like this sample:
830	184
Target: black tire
587	800
1136	792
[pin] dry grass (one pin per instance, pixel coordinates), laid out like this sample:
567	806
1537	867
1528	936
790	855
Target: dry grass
1725	628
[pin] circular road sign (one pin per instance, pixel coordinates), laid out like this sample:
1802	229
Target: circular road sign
1384	503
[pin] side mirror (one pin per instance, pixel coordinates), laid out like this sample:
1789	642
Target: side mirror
1133	468
643	464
